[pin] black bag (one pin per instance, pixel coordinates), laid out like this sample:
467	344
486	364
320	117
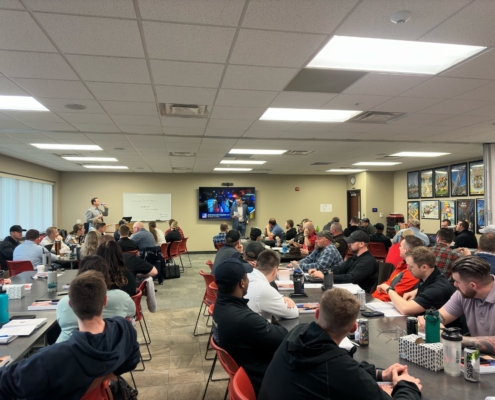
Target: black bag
154	256
121	390
172	271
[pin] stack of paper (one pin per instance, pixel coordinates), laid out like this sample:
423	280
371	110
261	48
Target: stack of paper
43	305
386	308
350	287
346	344
22	327
305	308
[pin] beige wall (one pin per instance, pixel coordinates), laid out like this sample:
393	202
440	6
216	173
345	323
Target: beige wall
276	198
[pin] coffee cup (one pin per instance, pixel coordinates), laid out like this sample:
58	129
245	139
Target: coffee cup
284	275
40	268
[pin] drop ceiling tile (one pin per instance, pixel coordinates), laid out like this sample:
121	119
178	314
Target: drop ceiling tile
121	91
86	118
184	122
33	116
254	133
185	95
245	98
183	131
13	4
385	84
93	36
488	111
224	132
129	108
213	12
419	119
393	129
107	8
186	73
8	88
482	93
353	127
221	112
406	104
455	107
51	126
355	102
462	120
302	100
313	126
299	135
52	88
422	133
139	129
257	78
12	125
188	42
110	69
479	67
274	125
16	64
229	124
58	105
137	120
441	87
295	15
275	49
97	128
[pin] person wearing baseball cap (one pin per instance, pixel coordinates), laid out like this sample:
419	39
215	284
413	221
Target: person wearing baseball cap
9	244
252	251
248	337
362	268
367	227
379	237
232	248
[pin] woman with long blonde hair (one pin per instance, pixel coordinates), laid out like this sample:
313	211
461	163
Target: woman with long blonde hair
90	244
157	233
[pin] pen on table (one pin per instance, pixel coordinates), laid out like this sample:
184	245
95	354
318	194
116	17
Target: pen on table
356	344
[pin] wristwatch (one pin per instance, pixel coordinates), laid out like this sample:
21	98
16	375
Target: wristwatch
389	289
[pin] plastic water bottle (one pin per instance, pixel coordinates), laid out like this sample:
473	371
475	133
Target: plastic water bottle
284	247
452	351
4	306
432	326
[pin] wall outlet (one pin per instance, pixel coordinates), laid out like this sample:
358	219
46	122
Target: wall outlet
381	215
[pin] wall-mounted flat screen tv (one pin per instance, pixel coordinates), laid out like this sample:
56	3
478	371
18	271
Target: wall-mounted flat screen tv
216	202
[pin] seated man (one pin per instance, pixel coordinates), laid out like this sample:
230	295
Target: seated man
444	254
379	237
52	235
220	238
291	232
30	249
248	337
338	238
310	364
464	237
273	230
445	223
232	248
264	298
401	279
66	370
486	248
9	244
325	256
255	235
116	234
252	251
309	238
366	226
99	227
475	300
415	226
124	242
143	238
298	240
179	229
327	226
139	267
361	269
393	255
353	226
434	289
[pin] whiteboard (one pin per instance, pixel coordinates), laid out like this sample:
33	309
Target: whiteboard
148	206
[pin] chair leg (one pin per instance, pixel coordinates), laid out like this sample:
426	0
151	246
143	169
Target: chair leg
226	392
197	320
145	343
208	346
181	263
190	263
148	341
133	381
142	362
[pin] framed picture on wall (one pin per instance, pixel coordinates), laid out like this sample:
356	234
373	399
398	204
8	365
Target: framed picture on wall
458	180
441	182
465	212
476	178
448	211
413	185
480	214
426	183
429	209
412	210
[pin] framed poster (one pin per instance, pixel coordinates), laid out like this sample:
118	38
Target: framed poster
413	185
427	183
412	210
429	209
458	180
441	182
447	211
480	214
465	212
476	178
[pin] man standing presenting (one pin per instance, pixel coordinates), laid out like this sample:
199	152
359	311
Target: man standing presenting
94	213
9	244
240	216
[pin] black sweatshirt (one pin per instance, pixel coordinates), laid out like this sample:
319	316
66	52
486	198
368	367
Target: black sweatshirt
362	271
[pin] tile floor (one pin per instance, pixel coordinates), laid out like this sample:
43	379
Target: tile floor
178	370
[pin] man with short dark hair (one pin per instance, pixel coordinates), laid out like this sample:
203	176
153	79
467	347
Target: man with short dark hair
434	289
298	240
99	227
367	227
379	237
232	249
327	226
66	370
464	237
444	254
240	216
309	364
486	248
220	238
339	238
31	250
291	232
248	337
353	226
124	242
255	235
116	234
273	230
51	236
94	213
9	244
445	223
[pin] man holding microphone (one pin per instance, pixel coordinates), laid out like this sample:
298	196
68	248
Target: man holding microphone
94	214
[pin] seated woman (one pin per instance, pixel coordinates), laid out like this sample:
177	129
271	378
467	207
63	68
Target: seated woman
90	244
157	233
76	236
119	303
120	276
170	223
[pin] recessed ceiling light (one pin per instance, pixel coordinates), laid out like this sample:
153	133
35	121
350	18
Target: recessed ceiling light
24	103
75	107
248	151
299	114
346	170
105	166
418	154
51	146
232	169
367	54
241	162
377	163
90	158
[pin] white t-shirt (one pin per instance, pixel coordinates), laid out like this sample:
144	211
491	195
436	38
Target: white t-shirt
240	211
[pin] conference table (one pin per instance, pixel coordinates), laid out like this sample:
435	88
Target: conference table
21	346
383	351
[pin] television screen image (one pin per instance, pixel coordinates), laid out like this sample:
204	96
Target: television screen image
217	202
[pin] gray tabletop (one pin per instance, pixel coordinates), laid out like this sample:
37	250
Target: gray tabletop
384	351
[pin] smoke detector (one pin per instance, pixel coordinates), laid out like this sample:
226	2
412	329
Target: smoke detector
78	107
401	17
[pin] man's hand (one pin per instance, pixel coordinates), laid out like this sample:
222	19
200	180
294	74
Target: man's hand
291	242
317	274
288	302
59	238
104	205
405	377
463	251
387	374
293	264
304	252
306	232
421	323
239	248
382	288
410	295
312	270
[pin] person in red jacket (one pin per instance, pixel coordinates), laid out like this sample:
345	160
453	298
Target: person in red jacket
401	279
393	255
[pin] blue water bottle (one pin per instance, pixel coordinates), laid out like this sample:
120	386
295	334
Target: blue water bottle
284	247
4	306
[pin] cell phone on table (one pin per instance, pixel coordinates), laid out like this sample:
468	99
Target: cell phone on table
62	293
371	314
30	316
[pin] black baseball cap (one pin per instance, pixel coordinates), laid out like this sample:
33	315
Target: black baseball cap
17	228
365	220
253	249
358	236
326	234
230	272
232	236
380	226
255	232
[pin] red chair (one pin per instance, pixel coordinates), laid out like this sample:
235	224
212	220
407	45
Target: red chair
135	252
210	313
183	250
139	316
378	250
214	288
226	361
174	251
164	250
218	246
99	389
16	267
209	298
210	264
143	287
240	387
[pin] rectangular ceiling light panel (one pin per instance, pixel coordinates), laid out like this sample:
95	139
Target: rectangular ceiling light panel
56	146
233	169
419	154
105	166
109	159
377	163
346	170
242	162
307	115
23	103
366	54
255	151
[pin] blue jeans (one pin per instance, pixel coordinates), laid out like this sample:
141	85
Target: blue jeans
241	228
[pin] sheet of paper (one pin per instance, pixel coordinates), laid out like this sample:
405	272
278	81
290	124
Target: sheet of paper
346	344
18	330
386	308
312	285
352	288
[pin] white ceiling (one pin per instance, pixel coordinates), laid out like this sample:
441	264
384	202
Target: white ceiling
120	58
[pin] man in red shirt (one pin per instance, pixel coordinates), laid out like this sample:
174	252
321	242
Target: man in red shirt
393	255
401	279
309	238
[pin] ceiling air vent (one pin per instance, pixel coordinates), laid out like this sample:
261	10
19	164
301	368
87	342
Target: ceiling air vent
322	163
183	110
298	152
182	154
376	117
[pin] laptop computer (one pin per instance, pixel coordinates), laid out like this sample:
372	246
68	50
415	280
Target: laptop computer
128	219
49	247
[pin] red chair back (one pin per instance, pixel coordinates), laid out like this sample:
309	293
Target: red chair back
241	387
378	250
210	310
98	389
210	296
228	363
16	267
137	302
210	264
164	250
214	288
142	287
135	252
174	249
218	246
183	246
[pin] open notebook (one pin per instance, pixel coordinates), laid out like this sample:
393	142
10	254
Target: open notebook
22	327
386	308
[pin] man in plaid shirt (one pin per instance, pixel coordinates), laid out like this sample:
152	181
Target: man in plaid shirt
444	254
220	238
325	255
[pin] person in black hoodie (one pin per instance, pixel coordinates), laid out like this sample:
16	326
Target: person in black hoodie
464	237
248	337
66	370
309	364
8	245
